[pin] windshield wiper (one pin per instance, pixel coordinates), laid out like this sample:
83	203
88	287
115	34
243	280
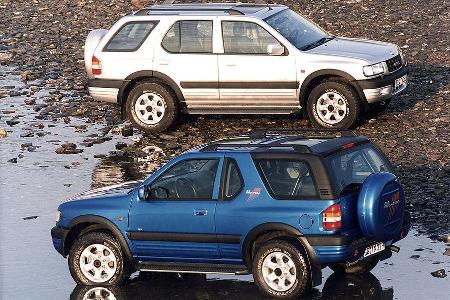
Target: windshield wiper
317	43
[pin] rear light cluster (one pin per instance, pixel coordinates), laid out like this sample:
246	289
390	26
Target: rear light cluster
96	66
331	217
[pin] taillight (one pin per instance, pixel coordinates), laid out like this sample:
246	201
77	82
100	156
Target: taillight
331	217
96	66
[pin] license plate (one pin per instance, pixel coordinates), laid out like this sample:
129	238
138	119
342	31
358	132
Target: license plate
378	247
399	82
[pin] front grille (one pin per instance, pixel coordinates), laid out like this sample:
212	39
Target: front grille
394	63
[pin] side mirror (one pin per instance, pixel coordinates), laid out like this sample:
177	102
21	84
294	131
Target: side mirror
275	49
142	193
147	193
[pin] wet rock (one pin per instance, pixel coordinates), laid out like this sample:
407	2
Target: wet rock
14	93
12	122
167	137
68	148
27	134
30	101
415	256
13	160
30	218
3	133
447	252
26	76
439	273
5	56
121	145
99	155
2	93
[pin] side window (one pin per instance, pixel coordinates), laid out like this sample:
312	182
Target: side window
233	183
287	179
130	37
189	37
245	38
188	179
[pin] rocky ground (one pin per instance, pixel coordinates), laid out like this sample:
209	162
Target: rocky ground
44	41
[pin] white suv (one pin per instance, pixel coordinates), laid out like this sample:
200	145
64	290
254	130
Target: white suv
237	59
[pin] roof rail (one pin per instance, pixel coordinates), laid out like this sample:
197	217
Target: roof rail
261	133
216	145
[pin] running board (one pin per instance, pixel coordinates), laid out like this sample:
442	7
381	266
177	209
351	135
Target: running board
192	268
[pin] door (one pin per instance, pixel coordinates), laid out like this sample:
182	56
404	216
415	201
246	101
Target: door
250	79
186	55
176	221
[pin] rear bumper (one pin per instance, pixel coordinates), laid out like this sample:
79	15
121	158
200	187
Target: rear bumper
59	236
105	90
383	88
341	248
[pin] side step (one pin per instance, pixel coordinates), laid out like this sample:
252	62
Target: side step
192	268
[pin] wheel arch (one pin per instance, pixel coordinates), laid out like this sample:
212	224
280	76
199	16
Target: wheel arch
132	79
270	231
313	79
90	223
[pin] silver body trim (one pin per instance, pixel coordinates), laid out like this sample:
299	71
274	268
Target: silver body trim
104	94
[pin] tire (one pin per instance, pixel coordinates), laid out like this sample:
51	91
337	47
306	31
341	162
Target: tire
299	271
109	263
359	267
158	107
344	106
351	286
87	292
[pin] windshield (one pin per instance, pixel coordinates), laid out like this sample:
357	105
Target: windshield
296	29
355	165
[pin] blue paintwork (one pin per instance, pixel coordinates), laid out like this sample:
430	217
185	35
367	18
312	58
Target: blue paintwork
252	207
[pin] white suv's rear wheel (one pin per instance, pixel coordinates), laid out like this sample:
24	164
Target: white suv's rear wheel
333	104
151	107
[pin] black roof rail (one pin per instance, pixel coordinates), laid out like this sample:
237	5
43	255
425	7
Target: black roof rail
261	133
216	146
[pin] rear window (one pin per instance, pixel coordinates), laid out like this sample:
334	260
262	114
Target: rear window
131	36
287	178
353	166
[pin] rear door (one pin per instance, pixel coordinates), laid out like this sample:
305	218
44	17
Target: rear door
177	221
186	54
251	80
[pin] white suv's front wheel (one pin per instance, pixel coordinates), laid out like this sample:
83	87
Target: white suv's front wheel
333	104
151	107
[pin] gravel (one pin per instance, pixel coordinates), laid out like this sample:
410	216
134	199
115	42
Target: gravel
44	40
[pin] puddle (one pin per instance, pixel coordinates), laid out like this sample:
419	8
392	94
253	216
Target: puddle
32	188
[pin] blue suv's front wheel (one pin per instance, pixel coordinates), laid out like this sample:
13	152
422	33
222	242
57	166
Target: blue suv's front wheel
281	270
96	258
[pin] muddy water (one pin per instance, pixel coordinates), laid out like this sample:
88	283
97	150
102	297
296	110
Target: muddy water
33	187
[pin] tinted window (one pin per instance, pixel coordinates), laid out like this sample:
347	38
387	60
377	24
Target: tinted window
296	29
188	179
233	180
189	37
246	38
130	36
287	179
355	165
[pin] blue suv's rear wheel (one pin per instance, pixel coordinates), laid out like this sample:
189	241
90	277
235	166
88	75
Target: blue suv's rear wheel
280	270
96	258
358	267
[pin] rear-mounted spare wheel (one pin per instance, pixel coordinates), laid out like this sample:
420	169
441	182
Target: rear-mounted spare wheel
381	205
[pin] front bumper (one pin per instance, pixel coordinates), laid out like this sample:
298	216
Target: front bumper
59	236
340	248
383	88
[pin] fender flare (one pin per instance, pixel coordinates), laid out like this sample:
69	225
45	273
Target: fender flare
126	85
287	231
104	224
330	72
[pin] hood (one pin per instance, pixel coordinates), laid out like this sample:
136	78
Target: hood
113	190
368	50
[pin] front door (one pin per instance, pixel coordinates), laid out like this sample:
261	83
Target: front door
176	222
187	56
251	80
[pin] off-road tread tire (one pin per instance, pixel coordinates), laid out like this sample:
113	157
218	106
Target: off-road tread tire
123	270
349	95
301	262
170	113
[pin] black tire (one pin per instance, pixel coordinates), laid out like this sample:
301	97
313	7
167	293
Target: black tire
353	286
122	272
359	267
349	97
171	106
302	280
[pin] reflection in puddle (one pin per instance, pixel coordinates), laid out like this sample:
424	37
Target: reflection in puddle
114	170
175	286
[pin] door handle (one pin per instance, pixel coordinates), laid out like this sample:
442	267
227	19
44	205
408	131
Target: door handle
164	62
200	212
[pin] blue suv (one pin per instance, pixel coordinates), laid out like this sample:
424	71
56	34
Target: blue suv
278	206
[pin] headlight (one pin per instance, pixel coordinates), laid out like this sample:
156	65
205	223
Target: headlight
374	69
58	216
